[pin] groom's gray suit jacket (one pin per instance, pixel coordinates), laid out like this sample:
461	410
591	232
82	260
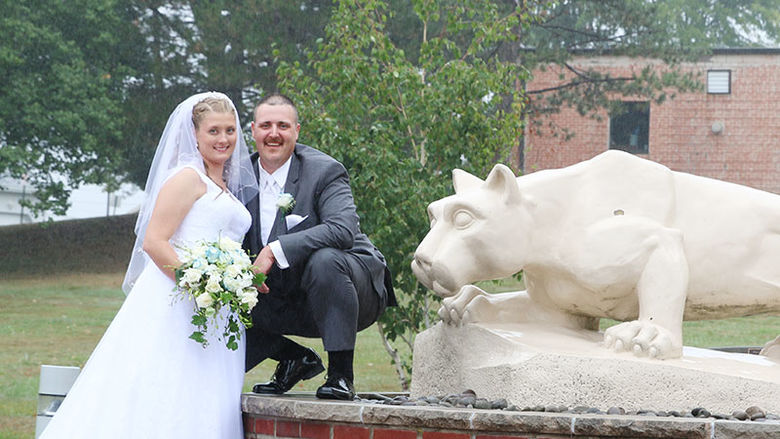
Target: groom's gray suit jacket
320	186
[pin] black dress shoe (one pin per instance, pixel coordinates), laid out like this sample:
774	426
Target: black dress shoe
337	387
289	372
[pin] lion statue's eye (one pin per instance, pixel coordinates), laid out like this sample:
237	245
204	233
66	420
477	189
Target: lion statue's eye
462	219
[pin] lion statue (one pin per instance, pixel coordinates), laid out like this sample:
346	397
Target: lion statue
616	236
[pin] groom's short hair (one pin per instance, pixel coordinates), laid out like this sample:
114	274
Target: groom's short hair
277	99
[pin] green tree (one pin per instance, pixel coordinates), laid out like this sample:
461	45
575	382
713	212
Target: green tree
88	84
165	72
60	115
222	45
236	40
401	126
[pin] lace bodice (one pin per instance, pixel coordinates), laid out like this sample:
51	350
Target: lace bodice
216	213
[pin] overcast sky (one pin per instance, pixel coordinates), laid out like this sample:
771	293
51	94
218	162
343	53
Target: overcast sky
90	201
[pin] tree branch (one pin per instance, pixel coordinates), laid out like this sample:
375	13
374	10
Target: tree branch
575	84
402	379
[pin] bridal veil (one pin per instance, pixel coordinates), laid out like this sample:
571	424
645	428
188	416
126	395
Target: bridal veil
178	147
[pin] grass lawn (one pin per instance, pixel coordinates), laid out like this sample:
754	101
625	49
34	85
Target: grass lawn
60	320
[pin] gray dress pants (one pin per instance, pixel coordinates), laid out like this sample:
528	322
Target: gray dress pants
334	299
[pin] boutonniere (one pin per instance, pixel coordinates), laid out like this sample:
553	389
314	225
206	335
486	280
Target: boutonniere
285	202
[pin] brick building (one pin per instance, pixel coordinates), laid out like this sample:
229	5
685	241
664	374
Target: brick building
729	131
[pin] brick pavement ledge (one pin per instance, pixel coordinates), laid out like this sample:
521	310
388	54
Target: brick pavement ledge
301	415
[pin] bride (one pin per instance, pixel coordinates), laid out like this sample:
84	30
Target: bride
146	378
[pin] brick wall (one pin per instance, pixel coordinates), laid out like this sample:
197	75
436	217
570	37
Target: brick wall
266	428
303	416
747	151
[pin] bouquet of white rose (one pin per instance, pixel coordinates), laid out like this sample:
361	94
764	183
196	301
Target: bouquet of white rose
218	275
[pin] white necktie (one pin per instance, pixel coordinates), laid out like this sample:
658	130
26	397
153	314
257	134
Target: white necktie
271	191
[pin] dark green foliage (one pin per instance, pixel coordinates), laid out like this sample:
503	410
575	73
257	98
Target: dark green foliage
60	113
400	123
88	84
96	245
217	45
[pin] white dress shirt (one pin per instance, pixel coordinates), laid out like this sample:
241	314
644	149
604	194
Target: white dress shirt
271	186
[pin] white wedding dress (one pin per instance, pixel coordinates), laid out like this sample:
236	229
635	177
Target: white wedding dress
146	378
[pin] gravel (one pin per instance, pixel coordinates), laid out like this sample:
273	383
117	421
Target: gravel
469	399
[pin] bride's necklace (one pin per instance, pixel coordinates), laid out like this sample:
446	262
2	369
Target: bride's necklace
221	183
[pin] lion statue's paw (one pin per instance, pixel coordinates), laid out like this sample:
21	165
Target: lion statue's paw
772	349
469	305
643	339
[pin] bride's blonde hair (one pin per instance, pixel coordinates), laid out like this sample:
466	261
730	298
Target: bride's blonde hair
217	105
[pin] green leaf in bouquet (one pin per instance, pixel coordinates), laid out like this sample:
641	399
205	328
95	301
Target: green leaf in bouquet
258	279
231	343
198	320
179	272
232	325
198	336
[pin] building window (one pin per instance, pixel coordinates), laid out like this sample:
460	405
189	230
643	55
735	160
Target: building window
629	127
719	82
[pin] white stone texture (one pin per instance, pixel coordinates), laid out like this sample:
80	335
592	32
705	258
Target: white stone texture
532	365
616	236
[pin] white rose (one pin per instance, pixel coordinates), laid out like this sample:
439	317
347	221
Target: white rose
232	284
249	296
198	251
200	263
286	202
233	270
245	281
212	270
213	286
186	258
191	276
240	257
228	244
204	300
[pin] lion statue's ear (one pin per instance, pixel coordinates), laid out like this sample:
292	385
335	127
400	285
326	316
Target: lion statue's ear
502	180
462	181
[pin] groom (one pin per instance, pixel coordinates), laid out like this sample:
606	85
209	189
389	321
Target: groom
325	278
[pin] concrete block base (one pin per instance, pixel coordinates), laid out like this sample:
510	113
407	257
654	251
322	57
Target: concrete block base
531	365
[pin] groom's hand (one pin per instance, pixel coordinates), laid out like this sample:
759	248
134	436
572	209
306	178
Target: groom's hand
264	261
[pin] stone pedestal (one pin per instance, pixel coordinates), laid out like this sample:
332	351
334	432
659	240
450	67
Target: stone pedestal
301	415
534	365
